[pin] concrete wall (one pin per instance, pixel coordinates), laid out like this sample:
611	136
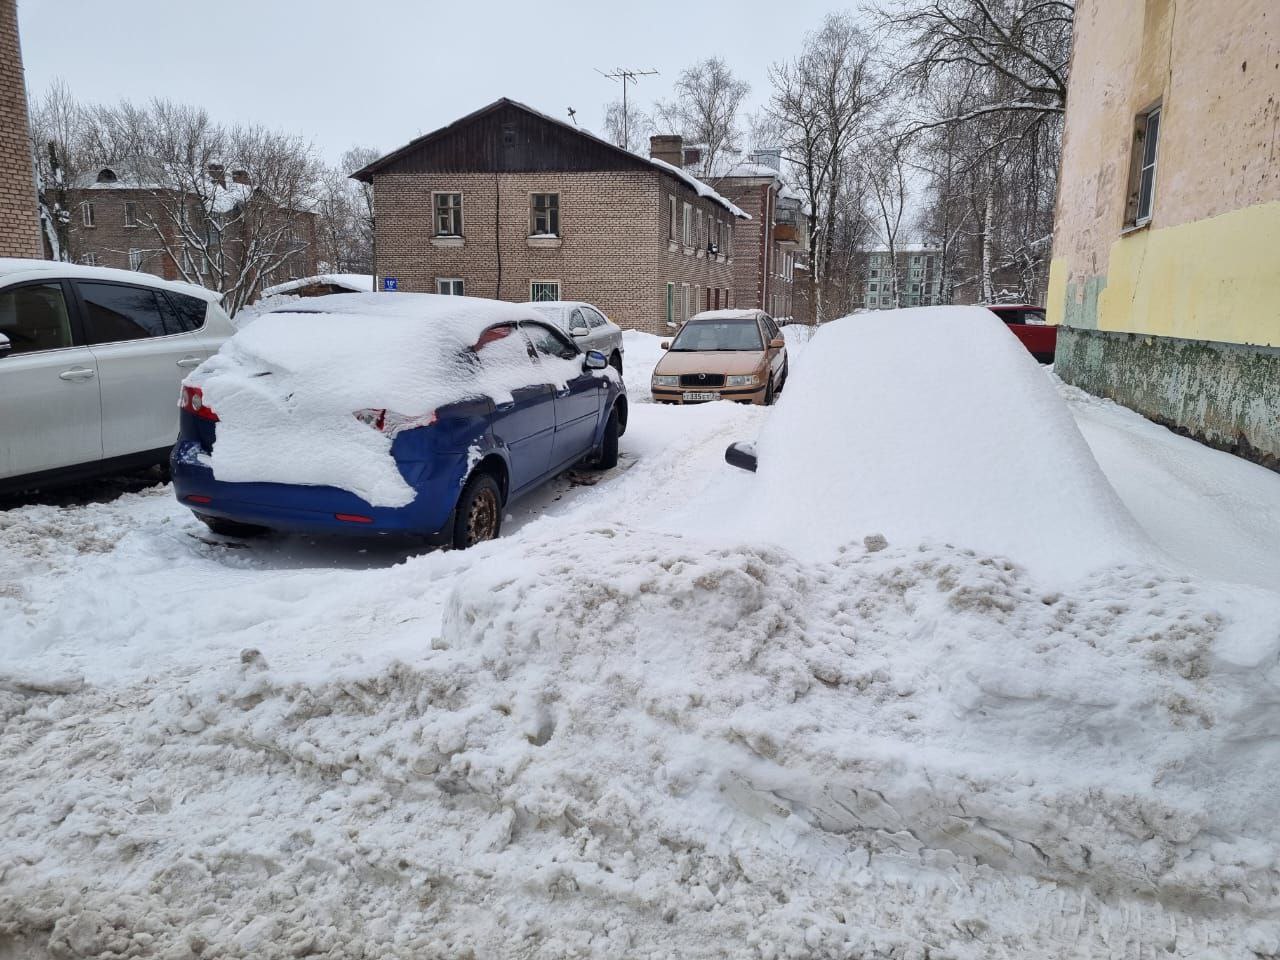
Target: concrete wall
1199	285
1223	394
19	214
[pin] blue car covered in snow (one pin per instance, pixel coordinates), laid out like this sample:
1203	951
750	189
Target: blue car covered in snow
382	413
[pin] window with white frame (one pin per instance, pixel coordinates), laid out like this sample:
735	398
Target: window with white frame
915	259
697	236
873	273
135	259
450	286
544	290
86	213
89	259
915	273
448	217
673	227
871	288
1143	177
671	303
686	233
130	213
544	214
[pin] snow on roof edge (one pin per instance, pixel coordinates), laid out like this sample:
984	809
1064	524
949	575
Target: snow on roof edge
355	282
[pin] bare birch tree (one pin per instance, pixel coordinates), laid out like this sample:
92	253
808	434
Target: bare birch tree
627	126
820	103
706	110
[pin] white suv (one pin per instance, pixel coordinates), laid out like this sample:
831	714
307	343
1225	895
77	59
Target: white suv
91	360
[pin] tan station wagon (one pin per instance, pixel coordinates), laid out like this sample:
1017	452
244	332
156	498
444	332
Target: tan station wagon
722	355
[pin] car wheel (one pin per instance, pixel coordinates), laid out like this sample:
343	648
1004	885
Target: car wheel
768	393
615	361
608	458
478	516
231	528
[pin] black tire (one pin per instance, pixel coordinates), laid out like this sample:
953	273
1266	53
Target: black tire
478	515
615	361
768	393
231	528
608	458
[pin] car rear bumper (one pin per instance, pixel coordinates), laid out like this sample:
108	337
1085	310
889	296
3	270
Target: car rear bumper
295	508
737	394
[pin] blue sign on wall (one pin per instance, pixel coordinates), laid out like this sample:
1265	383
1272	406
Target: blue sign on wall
390	283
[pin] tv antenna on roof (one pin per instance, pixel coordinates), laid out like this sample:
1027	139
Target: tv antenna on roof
626	77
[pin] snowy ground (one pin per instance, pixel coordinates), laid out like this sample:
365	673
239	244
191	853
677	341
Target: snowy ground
600	737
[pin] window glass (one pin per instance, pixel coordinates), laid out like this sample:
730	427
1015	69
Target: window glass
449	286
115	313
130	213
577	318
548	343
448	214
34	318
182	312
1147	175
545	290
545	214
593	317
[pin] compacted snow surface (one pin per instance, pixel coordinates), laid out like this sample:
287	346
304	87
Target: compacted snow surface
639	725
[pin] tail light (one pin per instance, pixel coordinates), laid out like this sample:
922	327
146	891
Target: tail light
192	401
391	423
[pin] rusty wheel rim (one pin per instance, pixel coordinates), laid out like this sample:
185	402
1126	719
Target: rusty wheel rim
482	518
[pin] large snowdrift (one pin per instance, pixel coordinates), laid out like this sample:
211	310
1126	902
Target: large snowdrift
934	424
287	386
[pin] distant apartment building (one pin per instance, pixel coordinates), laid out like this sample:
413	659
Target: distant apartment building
19	210
1165	276
510	203
917	282
121	218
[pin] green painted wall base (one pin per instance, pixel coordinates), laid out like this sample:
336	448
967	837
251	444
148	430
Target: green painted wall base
1224	394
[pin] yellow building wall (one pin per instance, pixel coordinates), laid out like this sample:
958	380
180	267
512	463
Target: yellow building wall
1215	279
1208	265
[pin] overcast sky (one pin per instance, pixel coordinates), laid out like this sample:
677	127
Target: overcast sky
379	72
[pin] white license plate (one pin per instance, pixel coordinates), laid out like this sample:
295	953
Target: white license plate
702	396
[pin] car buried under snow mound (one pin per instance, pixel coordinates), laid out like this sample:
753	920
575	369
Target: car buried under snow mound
379	413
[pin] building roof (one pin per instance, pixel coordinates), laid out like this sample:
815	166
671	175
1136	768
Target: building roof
17	268
355	282
366	173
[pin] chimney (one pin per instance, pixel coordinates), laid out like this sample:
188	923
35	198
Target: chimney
240	176
669	148
218	174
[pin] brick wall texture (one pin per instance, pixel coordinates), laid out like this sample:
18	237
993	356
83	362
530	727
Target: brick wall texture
19	214
615	249
759	256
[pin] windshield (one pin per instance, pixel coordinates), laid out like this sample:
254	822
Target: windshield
719	335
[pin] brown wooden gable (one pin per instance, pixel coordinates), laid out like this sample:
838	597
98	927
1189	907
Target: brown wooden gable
505	137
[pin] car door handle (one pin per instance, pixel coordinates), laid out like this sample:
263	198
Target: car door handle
78	373
188	362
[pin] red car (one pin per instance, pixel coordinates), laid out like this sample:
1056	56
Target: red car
1027	324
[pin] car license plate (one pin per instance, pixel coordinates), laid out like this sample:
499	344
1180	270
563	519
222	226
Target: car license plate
702	396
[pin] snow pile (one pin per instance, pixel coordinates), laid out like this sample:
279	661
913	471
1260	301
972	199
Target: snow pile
698	187
287	386
935	423
625	743
643	351
355	282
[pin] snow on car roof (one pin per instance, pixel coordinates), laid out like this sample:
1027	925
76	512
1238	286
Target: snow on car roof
287	386
16	268
355	282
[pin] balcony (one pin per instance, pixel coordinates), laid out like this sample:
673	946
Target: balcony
786	233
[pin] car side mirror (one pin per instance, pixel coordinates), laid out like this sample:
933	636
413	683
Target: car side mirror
741	455
665	345
5	345
777	343
580	332
594	360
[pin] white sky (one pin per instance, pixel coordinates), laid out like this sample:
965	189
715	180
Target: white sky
381	72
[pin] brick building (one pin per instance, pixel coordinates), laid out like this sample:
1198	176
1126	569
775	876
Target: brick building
773	241
19	211
121	219
512	204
